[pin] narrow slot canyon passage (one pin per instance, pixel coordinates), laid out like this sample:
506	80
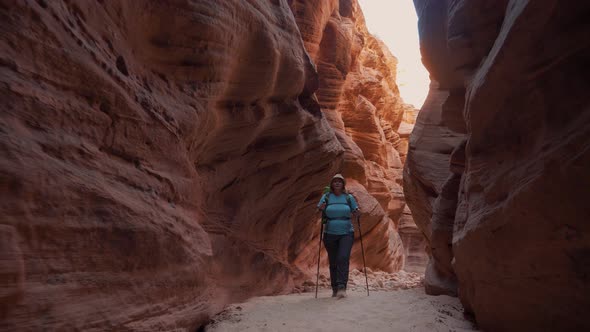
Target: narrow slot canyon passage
164	163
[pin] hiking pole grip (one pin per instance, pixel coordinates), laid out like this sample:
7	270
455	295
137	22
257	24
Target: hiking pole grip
317	279
358	220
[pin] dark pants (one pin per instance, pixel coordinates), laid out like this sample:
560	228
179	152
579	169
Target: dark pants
338	248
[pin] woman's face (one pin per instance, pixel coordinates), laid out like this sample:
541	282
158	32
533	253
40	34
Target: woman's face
337	184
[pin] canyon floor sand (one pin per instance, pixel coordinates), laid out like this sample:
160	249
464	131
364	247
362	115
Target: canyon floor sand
397	310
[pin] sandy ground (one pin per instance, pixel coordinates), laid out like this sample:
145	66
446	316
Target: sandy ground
386	309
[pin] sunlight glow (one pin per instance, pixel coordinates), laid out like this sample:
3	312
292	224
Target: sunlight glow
395	23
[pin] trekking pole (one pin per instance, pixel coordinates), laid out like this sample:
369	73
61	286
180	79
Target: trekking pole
358	220
317	279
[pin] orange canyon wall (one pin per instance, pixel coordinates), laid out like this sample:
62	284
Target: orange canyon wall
497	173
161	159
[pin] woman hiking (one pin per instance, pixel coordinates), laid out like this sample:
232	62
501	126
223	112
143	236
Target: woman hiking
338	207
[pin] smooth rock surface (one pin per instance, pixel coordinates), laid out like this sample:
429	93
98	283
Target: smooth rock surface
161	159
505	209
156	160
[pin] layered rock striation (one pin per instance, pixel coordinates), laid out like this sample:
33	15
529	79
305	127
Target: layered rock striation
163	158
497	170
157	158
360	99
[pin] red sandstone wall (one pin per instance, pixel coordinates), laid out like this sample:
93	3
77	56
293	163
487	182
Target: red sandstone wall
163	158
360	99
156	159
497	171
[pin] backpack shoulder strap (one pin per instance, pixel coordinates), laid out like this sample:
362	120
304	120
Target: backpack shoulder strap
326	194
324	216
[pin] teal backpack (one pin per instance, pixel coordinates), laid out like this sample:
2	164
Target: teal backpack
326	192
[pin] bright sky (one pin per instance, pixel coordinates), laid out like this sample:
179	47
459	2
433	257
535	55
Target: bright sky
395	22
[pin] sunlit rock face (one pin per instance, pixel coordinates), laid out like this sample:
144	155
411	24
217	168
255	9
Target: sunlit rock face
360	99
163	158
497	171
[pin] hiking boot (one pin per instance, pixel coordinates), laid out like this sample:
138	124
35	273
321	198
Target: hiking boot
334	292
341	293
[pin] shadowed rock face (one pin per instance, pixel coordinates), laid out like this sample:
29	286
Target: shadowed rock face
163	158
156	159
497	171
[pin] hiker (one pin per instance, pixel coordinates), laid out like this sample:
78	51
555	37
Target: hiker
338	208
